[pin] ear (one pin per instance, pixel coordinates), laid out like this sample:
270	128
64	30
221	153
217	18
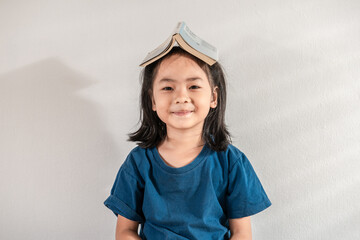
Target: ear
152	101
214	97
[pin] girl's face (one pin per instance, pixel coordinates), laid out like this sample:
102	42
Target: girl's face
181	94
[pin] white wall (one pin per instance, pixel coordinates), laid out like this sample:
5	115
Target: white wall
69	95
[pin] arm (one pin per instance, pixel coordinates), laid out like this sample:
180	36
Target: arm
240	228
126	229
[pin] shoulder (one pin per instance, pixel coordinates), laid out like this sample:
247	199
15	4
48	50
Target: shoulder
137	161
232	155
136	156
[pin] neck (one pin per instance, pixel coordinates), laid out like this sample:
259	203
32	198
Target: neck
186	139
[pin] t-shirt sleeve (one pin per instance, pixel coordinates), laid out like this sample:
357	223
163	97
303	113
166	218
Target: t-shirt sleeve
245	194
126	195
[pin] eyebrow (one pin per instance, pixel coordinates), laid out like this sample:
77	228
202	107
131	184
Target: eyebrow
191	79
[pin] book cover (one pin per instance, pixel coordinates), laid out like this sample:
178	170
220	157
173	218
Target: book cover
183	37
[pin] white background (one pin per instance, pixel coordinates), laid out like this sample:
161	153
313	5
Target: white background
69	86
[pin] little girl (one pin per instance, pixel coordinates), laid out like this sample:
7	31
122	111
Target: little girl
185	180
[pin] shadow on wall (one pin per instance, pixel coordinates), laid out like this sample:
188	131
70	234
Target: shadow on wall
54	150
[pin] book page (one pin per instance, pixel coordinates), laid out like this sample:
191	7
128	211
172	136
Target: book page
160	49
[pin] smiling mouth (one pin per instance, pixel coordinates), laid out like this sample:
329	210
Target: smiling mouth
182	113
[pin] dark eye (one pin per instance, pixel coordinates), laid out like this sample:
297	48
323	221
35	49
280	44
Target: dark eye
167	88
194	87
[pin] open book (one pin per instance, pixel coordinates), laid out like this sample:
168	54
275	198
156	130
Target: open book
187	40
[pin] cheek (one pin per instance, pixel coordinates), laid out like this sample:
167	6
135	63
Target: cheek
162	114
159	103
205	100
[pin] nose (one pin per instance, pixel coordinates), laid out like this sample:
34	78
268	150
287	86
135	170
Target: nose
181	96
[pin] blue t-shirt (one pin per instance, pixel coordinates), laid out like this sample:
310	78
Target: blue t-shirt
190	202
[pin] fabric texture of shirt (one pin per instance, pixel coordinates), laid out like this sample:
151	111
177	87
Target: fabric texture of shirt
191	202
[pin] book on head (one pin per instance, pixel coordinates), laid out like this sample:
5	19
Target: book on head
183	37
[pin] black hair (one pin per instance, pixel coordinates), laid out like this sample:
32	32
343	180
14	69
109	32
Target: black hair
152	130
